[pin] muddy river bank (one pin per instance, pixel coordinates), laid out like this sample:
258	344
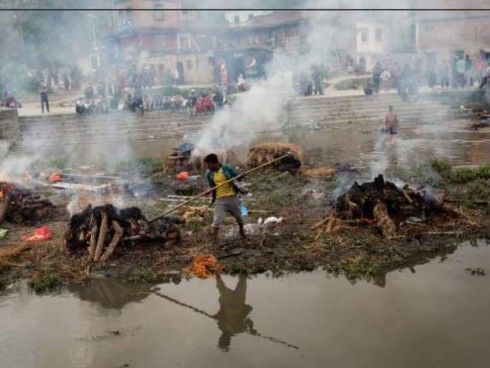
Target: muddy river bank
355	249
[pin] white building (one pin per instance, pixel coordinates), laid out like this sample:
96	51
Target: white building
243	16
372	41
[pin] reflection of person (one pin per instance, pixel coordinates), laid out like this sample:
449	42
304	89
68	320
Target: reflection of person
232	317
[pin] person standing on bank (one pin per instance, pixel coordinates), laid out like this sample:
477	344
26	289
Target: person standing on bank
391	122
224	198
44	98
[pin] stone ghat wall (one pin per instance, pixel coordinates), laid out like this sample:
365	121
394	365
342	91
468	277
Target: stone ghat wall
9	126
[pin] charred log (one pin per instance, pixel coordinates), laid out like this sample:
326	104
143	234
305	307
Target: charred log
382	203
101	229
4	206
19	205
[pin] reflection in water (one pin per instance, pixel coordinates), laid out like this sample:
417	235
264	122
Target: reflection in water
233	314
232	317
414	143
111	293
437	317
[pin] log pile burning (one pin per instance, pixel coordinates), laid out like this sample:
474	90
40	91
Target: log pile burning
186	158
383	204
98	231
20	205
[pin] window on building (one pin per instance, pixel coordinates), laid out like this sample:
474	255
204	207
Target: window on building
94	62
364	35
161	70
378	35
184	42
159	43
236	20
158	14
125	17
250	16
189	64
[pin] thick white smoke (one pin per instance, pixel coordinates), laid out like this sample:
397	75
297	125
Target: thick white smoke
258	110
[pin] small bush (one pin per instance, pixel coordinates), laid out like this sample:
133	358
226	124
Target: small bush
143	277
45	282
462	175
441	167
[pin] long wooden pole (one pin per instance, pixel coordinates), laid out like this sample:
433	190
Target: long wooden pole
216	187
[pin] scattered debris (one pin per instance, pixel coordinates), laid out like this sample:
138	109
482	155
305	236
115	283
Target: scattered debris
270	220
476	271
41	234
195	213
204	267
183	175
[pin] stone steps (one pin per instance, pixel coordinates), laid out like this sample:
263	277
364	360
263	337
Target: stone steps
367	111
101	139
322	112
375	114
359	107
73	118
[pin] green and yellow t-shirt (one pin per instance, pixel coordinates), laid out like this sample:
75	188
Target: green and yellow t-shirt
225	190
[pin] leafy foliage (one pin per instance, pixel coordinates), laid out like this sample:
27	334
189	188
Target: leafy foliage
45	282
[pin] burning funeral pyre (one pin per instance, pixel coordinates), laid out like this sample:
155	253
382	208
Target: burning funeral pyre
187	158
20	205
383	204
97	231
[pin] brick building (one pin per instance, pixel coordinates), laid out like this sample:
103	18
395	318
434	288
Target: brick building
444	34
166	39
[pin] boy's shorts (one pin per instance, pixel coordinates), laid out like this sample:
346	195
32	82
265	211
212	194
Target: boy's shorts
225	205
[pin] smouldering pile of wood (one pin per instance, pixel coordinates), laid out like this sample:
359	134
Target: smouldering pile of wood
20	205
99	230
194	161
383	204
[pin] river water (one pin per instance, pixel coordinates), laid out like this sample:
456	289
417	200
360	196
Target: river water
436	315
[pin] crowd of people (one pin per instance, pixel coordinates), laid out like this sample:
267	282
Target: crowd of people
10	101
311	83
459	72
138	100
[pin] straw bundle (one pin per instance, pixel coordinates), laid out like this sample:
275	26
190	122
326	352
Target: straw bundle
319	172
9	252
266	152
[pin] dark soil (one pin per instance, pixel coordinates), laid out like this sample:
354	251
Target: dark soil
356	251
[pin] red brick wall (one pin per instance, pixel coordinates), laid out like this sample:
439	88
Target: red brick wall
454	30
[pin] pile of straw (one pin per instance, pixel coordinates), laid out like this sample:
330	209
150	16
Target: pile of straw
265	152
319	172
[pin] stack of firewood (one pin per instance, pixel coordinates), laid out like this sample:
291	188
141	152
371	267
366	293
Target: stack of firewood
383	204
20	205
99	230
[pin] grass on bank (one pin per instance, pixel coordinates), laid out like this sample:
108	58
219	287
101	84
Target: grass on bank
460	175
45	282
